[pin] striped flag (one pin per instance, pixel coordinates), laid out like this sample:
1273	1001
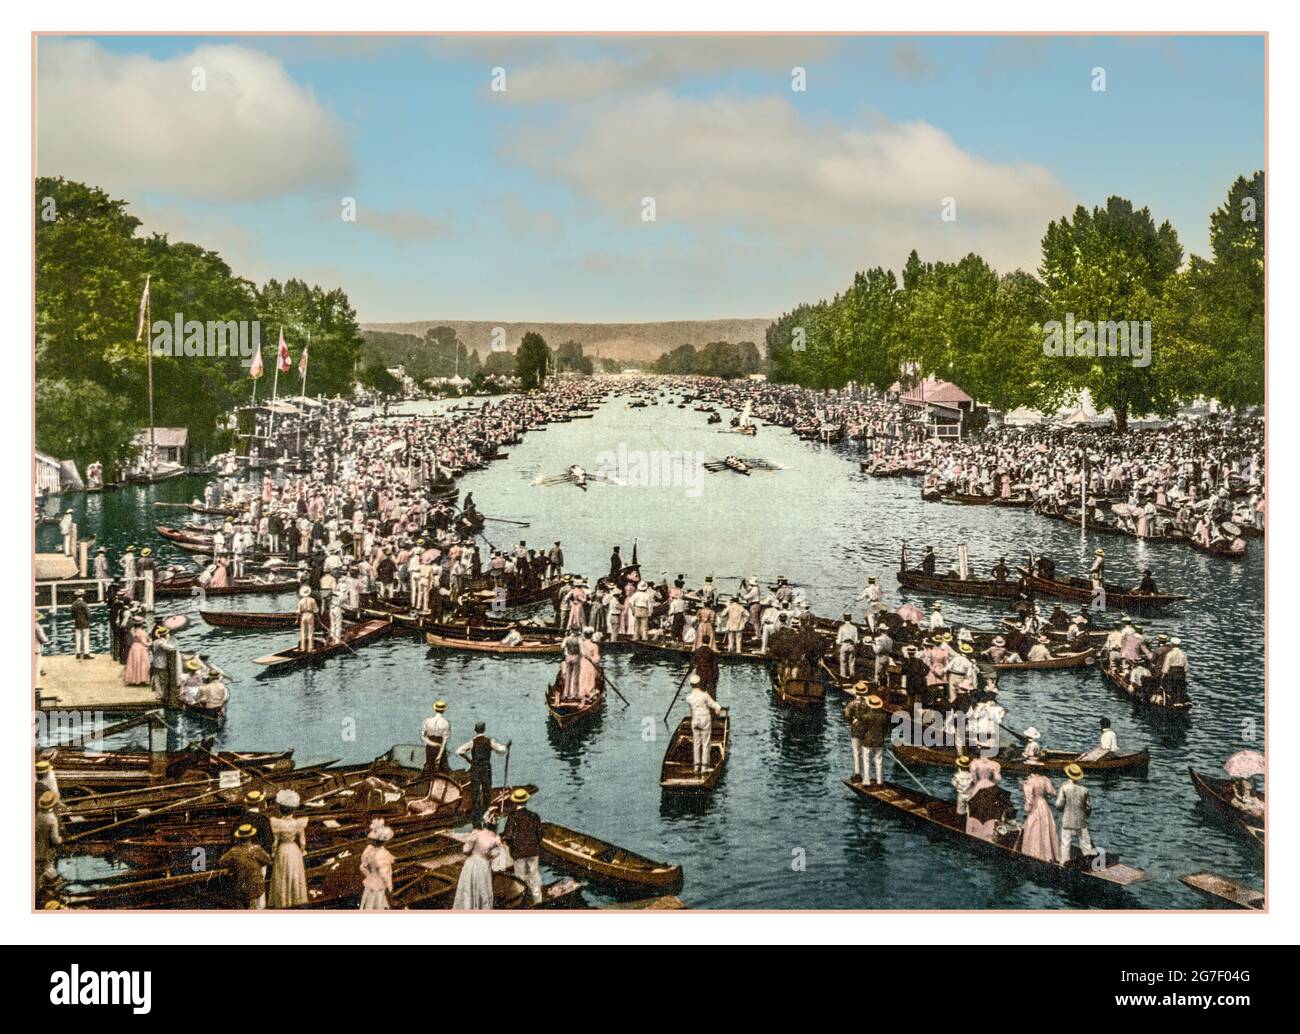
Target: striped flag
302	365
144	308
255	367
283	362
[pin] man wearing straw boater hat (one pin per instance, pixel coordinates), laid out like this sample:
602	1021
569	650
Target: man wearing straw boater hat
245	863
1075	806
875	736
434	732
856	712
48	838
81	626
523	835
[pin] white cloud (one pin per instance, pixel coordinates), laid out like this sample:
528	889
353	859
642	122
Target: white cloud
132	123
863	194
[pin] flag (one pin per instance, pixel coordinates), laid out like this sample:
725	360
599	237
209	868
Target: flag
283	362
255	367
144	308
302	365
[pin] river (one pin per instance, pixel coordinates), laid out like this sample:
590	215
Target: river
782	831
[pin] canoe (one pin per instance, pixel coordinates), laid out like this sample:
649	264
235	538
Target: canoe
353	636
605	863
1235	894
1081	589
484	646
568	713
939	818
189	586
796	691
253	619
1080	659
1217	795
1121	685
678	774
1050	760
990	589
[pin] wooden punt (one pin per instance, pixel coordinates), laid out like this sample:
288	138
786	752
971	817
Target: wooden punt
990	589
1079	659
324	648
940	818
1217	796
966	499
250	619
189	585
1221	548
1135	763
1119	683
1081	589
75	768
568	713
605	863
1236	895
485	646
678	774
795	690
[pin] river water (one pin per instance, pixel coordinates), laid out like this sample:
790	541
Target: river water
781	831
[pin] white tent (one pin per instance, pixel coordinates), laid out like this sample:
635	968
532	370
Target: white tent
1023	417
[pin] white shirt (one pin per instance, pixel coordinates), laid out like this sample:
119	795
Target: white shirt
701	704
1108	740
435	727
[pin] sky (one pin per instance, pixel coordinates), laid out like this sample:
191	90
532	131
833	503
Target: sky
529	203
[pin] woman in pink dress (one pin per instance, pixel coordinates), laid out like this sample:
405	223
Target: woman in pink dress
1038	840
137	657
589	665
474	888
219	579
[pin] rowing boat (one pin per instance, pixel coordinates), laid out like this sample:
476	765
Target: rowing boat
568	713
679	774
1218	796
1219	547
967	499
1081	589
938	817
1048	761
1079	659
605	863
253	619
482	646
188	585
76	767
795	690
1238	895
323	648
983	588
1117	681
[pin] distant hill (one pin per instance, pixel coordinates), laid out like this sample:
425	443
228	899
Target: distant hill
633	342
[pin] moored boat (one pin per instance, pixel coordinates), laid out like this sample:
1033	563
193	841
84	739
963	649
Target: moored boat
1218	797
1232	893
1048	761
605	863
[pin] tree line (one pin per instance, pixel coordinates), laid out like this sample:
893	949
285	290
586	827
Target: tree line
91	266
999	336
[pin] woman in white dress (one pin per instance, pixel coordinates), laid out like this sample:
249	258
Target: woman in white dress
288	876
376	868
474	891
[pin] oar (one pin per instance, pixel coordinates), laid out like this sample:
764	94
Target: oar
505	520
689	668
909	772
610	682
140	815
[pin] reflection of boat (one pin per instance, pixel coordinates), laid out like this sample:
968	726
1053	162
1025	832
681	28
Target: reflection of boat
1217	795
1238	895
605	863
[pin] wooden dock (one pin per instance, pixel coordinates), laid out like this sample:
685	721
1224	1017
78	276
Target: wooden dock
94	685
51	566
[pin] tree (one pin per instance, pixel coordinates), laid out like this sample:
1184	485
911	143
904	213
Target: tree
81	421
532	360
500	364
1109	268
375	375
569	359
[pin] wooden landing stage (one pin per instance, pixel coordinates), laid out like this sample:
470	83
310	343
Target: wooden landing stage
55	565
95	685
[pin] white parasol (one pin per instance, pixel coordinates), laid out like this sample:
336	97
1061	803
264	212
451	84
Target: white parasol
1244	764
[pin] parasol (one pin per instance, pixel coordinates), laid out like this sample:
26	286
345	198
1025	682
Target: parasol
908	612
1244	764
1230	528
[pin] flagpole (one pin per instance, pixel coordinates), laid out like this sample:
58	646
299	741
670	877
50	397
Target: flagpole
275	390
148	351
302	397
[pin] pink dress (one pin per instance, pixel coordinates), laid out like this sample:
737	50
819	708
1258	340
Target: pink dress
218	577
137	659
1039	837
588	669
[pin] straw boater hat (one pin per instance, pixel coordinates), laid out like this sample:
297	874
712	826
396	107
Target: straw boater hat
967	648
1175	641
520	796
1100	552
1044	640
874	702
246	831
254	797
938	605
1074	771
43	766
999	641
848	616
440	706
861	688
695	680
80	592
305	591
192	664
963	762
146	551
1033	734
47	800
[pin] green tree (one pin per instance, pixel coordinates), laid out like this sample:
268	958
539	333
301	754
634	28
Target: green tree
532	360
81	421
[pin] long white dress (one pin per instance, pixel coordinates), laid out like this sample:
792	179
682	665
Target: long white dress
474	890
288	876
376	877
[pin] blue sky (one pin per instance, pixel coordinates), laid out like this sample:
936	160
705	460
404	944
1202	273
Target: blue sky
527	204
